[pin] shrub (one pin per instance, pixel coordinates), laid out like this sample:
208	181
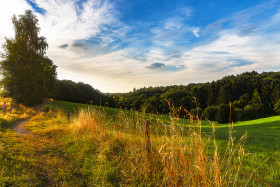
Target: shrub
197	112
223	113
237	114
250	111
210	113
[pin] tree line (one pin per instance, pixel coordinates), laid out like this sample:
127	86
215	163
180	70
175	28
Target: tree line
244	96
67	90
233	98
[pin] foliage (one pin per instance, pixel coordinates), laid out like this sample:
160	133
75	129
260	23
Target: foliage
210	113
250	111
28	75
237	114
261	91
198	112
257	101
79	92
223	113
242	102
277	107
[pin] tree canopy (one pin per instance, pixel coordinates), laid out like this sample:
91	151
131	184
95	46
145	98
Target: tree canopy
28	74
68	90
233	98
251	95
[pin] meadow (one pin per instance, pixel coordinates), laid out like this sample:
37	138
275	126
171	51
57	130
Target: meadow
102	146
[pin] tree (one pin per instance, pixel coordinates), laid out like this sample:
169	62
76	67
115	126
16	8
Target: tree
223	113
277	107
257	101
28	75
210	113
242	102
197	112
68	90
250	112
237	114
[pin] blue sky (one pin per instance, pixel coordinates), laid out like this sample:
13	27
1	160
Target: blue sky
121	44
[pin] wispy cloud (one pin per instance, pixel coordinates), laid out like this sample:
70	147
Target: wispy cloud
70	21
196	31
91	43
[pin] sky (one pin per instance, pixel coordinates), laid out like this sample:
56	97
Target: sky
118	45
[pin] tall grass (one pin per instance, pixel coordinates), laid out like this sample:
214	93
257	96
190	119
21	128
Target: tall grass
9	118
173	155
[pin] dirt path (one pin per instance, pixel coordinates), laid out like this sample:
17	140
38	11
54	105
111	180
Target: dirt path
19	127
46	152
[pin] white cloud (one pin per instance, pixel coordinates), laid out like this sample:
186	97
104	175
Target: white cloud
65	21
196	31
17	7
173	23
219	57
187	11
111	69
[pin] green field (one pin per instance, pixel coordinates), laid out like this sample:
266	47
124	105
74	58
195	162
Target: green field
64	154
262	144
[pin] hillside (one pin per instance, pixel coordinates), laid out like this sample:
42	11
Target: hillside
107	146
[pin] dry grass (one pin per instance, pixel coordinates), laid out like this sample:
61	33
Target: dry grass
178	157
95	148
19	112
101	148
90	122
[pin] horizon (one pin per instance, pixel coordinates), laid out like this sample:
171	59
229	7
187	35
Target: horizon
116	46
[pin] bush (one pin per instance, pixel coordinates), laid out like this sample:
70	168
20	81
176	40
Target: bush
237	114
197	112
210	113
250	111
223	113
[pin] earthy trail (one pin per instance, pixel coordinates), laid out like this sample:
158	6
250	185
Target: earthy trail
19	127
46	153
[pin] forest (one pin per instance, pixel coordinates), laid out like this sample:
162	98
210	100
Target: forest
232	98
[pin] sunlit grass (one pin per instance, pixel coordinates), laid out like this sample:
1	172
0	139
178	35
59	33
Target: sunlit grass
9	118
107	147
179	157
261	147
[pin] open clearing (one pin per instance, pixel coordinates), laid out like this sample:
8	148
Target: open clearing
57	155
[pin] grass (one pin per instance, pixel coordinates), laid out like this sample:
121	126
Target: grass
262	146
19	112
108	147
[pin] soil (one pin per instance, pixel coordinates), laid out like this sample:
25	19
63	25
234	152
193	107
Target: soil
19	127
